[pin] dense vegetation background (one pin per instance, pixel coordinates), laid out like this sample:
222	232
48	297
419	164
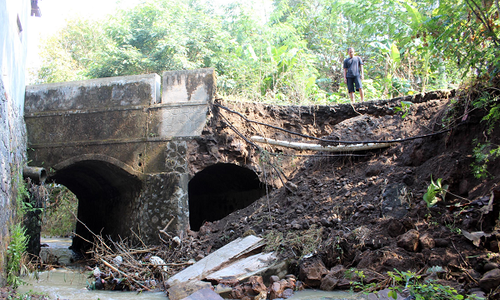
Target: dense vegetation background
290	51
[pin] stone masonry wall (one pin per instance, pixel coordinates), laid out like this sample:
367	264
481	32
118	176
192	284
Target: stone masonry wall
14	16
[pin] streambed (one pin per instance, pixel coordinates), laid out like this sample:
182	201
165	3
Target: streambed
71	282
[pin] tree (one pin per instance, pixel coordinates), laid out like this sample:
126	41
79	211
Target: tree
295	55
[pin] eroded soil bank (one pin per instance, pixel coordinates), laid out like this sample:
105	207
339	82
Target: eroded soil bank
328	214
364	209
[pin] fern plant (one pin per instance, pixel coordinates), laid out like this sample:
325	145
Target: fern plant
483	154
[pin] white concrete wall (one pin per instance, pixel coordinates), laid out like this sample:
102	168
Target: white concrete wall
14	16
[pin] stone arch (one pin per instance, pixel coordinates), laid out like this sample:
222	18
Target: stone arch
105	189
97	157
219	190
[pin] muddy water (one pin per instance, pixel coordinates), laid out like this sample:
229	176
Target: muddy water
71	282
322	295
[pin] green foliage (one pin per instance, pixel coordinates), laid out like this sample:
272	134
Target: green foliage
434	190
468	31
422	290
488	100
292	55
68	55
15	254
454	229
359	285
16	250
404	108
22	206
483	154
59	214
29	296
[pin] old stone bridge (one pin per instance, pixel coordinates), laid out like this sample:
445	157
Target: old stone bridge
121	145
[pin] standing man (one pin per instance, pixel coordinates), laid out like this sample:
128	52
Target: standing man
353	74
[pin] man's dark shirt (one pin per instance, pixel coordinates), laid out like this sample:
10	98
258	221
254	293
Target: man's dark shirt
352	65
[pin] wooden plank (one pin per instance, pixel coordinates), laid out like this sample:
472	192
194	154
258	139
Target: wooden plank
204	294
245	268
183	290
218	259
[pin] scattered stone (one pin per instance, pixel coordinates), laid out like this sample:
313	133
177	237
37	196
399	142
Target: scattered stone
490	280
325	223
373	170
490	266
383	295
253	289
426	241
480	295
312	271
409	240
282	289
331	280
395	203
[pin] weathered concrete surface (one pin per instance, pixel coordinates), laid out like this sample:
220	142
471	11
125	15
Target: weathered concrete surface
14	16
120	147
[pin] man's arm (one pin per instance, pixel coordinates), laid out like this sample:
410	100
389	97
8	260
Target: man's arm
345	74
361	72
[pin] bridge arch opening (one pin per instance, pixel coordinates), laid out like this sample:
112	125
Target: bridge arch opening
105	192
219	190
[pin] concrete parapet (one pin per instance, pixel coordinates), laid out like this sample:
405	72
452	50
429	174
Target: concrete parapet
95	94
71	119
188	86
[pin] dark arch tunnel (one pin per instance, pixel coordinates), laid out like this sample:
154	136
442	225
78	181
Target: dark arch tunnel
103	191
219	190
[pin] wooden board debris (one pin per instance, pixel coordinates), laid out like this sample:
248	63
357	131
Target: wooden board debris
185	289
221	258
245	268
204	294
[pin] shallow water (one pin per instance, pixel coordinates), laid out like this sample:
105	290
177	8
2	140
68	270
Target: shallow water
56	251
71	283
322	295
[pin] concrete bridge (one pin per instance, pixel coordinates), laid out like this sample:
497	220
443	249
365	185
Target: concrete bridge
121	145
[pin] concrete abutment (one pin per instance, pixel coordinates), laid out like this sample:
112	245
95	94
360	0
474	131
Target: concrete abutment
123	150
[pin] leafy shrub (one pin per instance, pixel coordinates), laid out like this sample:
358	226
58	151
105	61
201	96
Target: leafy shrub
483	154
427	290
15	254
59	214
434	190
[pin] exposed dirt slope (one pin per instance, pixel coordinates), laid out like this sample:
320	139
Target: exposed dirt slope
362	209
